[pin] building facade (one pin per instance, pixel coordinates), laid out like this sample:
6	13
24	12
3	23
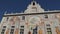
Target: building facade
31	24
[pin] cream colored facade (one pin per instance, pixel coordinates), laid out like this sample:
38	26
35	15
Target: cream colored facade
31	24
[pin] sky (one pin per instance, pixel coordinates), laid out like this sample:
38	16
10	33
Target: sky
17	6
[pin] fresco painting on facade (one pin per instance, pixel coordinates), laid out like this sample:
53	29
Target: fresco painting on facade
40	31
57	30
12	21
17	31
20	23
7	31
58	17
27	24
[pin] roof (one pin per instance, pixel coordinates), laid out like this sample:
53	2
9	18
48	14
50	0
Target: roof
21	14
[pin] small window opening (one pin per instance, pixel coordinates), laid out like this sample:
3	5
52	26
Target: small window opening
46	16
22	26
33	3
23	17
21	31
13	26
4	26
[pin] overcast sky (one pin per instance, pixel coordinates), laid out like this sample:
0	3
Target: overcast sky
13	6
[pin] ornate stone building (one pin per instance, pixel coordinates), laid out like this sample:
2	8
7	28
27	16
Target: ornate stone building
34	20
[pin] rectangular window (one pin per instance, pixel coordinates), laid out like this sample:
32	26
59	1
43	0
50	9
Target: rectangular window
23	17
35	31
2	32
7	18
3	29
4	26
49	31
12	26
22	26
11	33
48	25
12	30
46	16
21	31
